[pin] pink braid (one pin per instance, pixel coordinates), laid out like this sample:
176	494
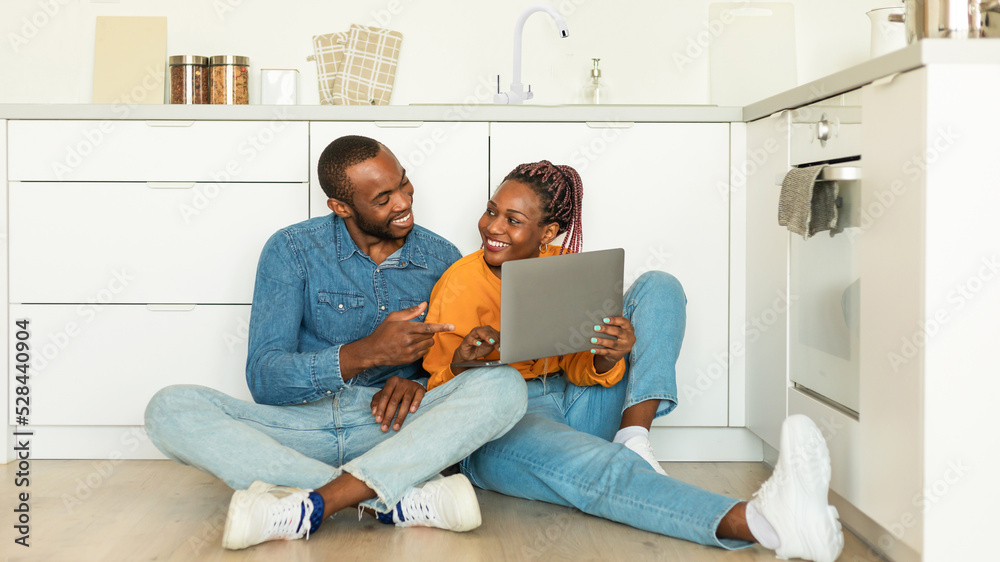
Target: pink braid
560	191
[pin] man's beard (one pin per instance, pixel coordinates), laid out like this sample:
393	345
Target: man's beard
380	231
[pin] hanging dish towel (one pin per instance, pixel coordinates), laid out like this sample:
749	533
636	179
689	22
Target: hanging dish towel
807	206
356	67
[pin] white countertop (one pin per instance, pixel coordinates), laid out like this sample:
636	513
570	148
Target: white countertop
385	113
926	52
923	53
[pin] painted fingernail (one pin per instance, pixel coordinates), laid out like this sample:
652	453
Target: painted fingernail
597	328
607	320
479	343
593	340
492	340
593	351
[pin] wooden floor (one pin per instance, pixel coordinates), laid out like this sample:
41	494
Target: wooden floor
158	510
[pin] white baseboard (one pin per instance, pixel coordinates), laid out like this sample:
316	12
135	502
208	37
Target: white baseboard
706	444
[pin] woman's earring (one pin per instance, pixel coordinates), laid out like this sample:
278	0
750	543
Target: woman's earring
541	248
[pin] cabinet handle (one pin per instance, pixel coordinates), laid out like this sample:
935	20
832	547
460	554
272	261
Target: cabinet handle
169	123
399	124
610	124
169	185
830	173
170	307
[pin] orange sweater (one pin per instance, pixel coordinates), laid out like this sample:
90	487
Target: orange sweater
468	296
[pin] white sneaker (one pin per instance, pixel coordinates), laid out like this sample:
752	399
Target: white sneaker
794	498
641	445
264	513
446	503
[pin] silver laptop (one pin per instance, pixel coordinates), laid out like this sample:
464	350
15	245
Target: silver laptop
549	306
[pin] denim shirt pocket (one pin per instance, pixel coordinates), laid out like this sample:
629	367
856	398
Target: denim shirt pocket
340	316
407	303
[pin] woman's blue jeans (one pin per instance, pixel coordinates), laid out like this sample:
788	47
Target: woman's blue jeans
560	452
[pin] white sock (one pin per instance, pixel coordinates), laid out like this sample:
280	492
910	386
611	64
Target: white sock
761	529
626	433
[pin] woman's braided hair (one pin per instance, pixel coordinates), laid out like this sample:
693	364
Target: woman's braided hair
560	191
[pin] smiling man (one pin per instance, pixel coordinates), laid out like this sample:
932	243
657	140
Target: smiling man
342	416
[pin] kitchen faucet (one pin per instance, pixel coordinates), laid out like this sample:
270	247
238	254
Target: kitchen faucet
517	95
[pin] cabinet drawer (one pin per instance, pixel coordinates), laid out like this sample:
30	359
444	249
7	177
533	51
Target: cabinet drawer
100	366
143	243
219	151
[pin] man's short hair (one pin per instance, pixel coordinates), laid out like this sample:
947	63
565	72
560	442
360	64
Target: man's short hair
336	158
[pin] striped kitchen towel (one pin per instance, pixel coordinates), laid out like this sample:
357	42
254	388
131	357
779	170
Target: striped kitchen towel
356	67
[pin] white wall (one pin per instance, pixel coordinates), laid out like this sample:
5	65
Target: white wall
452	49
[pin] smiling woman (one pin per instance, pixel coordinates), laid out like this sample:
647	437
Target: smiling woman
584	442
535	203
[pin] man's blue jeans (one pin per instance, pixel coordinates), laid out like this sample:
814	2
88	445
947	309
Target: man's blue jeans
309	445
560	452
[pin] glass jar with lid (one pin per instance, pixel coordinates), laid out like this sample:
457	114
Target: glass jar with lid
229	79
188	79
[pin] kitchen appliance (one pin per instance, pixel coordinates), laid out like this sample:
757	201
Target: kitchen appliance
958	19
825	270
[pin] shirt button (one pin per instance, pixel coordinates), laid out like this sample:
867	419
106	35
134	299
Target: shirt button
304	401
378	271
340	306
383	307
329	392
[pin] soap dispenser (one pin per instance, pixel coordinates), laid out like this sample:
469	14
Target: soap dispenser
595	92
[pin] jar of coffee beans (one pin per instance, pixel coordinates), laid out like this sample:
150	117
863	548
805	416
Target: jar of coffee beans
229	79
188	78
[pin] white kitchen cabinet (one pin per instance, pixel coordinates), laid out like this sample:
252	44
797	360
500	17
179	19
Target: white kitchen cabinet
767	296
143	243
661	191
135	263
930	261
6	441
184	151
447	162
100	364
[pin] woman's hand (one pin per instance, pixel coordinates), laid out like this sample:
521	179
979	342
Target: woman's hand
480	342
606	351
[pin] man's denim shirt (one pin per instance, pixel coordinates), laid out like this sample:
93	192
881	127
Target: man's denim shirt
315	291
